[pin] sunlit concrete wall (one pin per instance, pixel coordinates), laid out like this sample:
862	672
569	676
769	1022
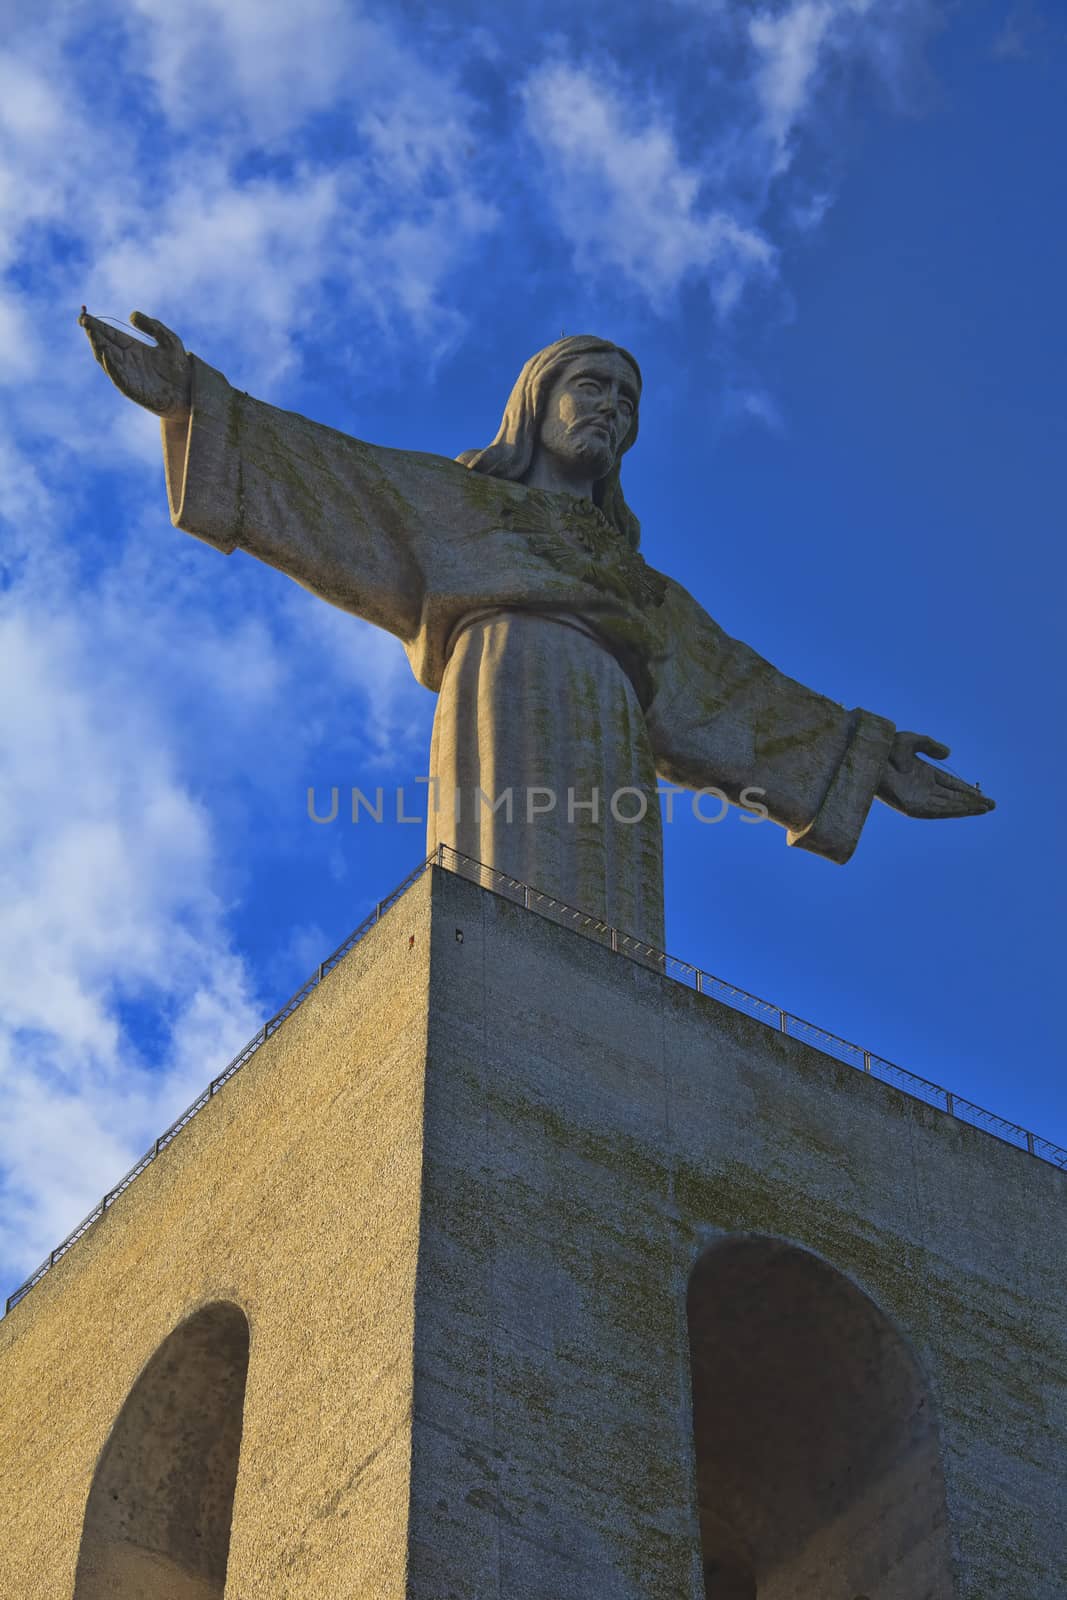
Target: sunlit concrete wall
294	1195
460	1197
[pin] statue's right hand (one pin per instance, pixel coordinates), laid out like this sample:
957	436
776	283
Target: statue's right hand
157	376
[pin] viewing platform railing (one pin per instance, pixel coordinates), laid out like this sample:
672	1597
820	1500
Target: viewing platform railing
591	927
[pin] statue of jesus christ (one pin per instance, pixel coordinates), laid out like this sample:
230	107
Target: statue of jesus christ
569	672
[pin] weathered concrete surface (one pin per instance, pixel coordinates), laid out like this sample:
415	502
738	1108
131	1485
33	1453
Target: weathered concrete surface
162	1495
818	1456
460	1197
293	1195
591	1128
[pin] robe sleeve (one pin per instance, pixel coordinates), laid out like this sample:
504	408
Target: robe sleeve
354	523
722	717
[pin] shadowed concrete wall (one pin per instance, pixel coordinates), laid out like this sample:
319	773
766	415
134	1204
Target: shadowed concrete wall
817	1453
460	1197
161	1504
591	1129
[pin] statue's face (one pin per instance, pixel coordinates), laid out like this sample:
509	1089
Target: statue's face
588	412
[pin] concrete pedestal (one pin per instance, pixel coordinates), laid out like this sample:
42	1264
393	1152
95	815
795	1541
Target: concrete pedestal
561	1280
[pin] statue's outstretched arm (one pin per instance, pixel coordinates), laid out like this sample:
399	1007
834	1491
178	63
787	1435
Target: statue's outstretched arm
911	785
725	718
346	520
157	376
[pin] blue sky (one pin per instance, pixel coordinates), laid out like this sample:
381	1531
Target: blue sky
832	231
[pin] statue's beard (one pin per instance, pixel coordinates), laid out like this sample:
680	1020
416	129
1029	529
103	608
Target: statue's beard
587	447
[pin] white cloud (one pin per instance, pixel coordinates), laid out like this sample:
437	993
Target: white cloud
35	127
24	502
796	47
789	47
260	67
241	261
623	196
214	203
394	711
755	404
648	195
109	900
807	213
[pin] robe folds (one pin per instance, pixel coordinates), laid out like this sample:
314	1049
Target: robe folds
568	671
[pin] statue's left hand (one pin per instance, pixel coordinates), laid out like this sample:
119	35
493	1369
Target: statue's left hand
156	376
911	785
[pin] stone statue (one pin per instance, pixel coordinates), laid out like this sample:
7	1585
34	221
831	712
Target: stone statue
569	672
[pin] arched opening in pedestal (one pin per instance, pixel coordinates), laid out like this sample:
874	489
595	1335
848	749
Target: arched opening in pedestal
157	1520
817	1456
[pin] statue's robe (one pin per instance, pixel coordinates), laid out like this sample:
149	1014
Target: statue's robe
562	661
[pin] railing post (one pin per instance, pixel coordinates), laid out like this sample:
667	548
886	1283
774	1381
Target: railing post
440	855
1030	1143
783	1022
615	939
866	1061
700	981
950	1103
526	895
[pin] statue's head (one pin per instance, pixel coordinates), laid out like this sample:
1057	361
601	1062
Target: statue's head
577	400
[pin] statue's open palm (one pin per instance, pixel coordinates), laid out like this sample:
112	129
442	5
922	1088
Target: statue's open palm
911	785
156	375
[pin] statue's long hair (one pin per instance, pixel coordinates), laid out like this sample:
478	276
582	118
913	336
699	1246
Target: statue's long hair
512	451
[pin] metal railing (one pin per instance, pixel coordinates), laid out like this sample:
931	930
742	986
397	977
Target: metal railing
591	927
